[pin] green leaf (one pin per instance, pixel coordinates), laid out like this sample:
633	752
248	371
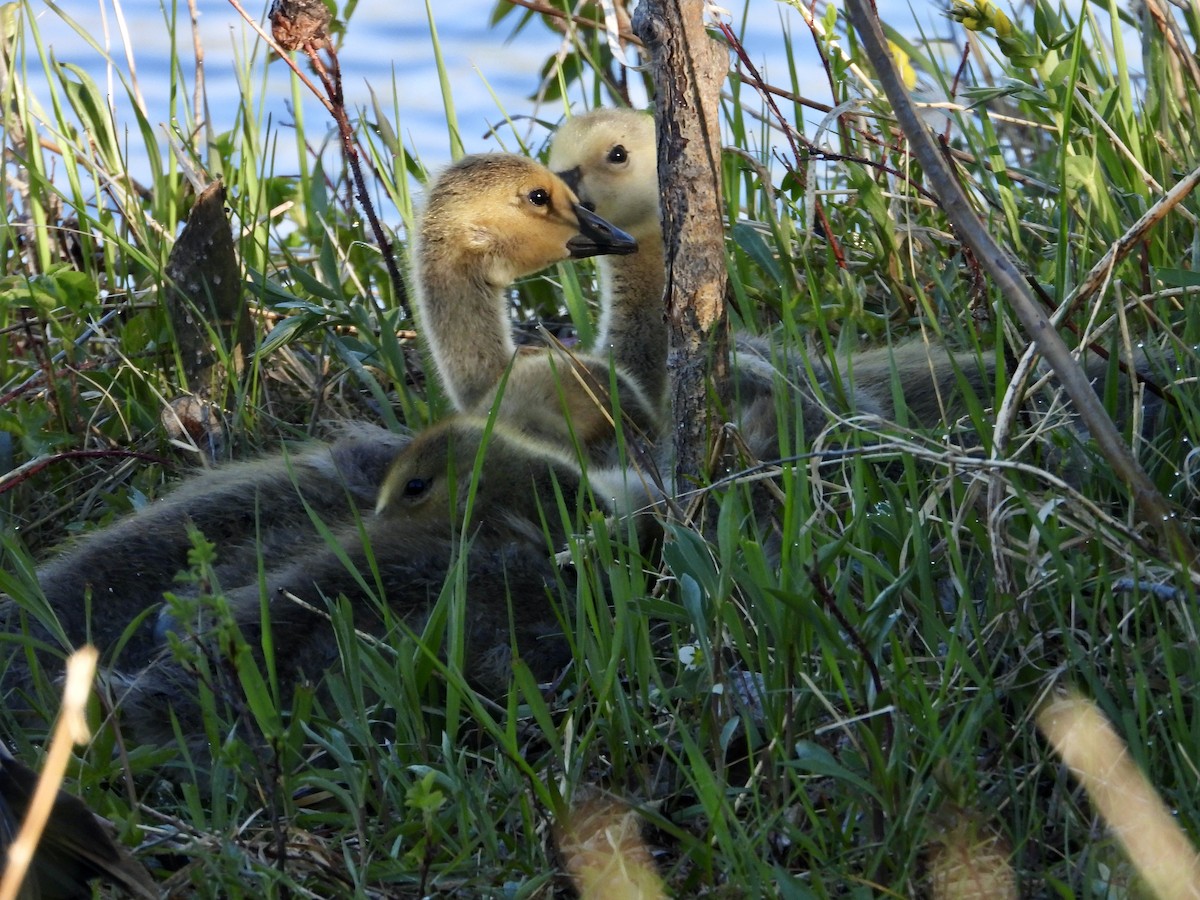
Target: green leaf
1177	277
285	332
812	757
313	285
751	240
88	102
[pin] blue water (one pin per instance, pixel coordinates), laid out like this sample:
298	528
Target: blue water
387	48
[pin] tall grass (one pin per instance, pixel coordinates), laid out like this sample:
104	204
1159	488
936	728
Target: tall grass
822	726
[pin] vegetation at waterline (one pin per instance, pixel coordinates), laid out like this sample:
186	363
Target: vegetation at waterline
840	724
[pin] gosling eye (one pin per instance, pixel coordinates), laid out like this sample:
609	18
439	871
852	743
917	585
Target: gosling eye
416	487
538	197
618	154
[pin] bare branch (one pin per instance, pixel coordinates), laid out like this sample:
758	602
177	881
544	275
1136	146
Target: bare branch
1151	505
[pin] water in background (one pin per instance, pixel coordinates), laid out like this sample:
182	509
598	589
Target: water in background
388	49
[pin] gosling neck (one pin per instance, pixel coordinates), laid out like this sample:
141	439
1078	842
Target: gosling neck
632	329
465	323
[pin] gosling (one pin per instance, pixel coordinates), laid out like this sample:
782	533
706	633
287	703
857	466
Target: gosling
609	158
487	221
97	585
465	492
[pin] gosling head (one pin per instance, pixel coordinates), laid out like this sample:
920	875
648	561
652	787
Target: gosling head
609	158
503	216
518	477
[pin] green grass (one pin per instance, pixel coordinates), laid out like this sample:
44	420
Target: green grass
808	729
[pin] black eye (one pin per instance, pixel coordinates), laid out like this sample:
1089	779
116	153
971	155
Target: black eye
539	196
416	487
618	154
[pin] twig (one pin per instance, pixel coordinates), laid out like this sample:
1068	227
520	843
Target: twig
333	99
332	79
199	95
283	54
546	9
28	469
793	137
1125	244
829	602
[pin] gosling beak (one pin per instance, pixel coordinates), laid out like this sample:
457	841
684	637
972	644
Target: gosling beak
597	238
571	177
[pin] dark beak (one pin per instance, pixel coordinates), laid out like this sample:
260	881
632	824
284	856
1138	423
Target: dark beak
597	238
571	177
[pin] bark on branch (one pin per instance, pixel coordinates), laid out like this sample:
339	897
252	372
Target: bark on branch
689	68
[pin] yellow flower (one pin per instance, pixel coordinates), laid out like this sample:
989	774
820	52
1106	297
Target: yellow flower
1002	23
904	66
980	15
975	16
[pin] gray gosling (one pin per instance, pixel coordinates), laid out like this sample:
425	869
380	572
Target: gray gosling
487	221
486	497
97	585
514	475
